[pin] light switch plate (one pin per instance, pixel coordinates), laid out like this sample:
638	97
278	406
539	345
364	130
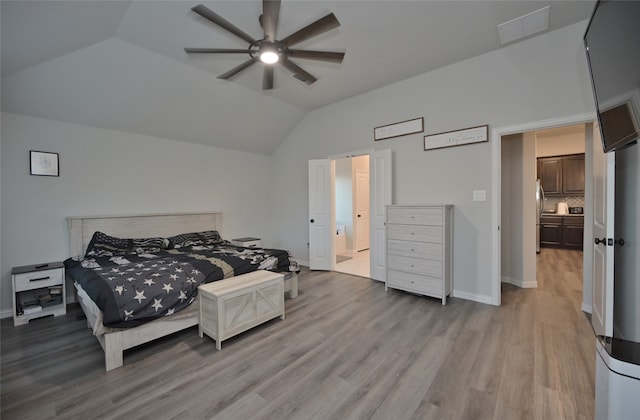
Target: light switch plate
479	195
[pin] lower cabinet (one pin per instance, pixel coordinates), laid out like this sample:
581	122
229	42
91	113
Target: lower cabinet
551	231
562	231
573	232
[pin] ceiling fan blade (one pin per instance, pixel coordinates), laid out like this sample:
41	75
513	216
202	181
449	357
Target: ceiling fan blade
334	57
207	13
316	28
298	72
269	18
237	69
216	50
267	78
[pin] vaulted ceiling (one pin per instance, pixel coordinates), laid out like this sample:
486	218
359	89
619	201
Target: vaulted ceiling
121	64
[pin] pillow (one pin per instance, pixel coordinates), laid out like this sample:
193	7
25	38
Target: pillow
103	245
149	245
209	237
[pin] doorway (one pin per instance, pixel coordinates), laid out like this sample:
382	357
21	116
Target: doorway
352	212
497	200
523	219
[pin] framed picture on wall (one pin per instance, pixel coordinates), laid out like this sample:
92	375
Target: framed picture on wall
44	163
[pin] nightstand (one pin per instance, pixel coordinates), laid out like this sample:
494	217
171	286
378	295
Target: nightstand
247	242
38	290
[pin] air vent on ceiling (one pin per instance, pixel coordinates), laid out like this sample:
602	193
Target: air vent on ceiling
524	26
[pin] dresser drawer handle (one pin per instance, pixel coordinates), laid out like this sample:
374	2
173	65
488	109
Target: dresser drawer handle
40	278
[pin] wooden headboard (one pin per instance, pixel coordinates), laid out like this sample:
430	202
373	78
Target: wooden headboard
82	228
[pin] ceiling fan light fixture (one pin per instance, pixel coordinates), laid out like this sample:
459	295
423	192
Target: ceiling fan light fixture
269	57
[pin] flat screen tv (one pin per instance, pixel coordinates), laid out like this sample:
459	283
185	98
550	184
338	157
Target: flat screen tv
612	44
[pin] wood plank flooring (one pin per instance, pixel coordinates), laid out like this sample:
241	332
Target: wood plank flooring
346	350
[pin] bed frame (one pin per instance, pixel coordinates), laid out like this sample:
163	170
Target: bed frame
82	228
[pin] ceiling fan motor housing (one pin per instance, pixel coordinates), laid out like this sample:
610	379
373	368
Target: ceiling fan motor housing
269	50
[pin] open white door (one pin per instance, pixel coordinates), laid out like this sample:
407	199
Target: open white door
603	219
381	195
321	215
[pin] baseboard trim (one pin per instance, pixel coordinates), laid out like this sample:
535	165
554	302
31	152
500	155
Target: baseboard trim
586	308
516	282
6	313
473	297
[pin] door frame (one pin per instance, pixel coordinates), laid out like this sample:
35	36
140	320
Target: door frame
496	202
349	155
380	195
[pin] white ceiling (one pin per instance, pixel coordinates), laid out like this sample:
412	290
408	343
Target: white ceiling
121	64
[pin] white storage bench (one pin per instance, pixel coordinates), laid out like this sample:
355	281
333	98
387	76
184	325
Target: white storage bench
231	306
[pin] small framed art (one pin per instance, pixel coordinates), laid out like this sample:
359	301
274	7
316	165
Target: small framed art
44	163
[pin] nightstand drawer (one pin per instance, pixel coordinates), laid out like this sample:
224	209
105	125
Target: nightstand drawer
38	279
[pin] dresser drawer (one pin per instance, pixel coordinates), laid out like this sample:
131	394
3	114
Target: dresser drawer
432	268
415	283
431	251
415	216
37	279
415	233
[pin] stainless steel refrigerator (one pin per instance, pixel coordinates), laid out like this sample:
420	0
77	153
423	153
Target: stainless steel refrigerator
539	210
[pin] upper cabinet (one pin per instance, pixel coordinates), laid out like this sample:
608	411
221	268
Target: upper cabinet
550	175
562	175
573	174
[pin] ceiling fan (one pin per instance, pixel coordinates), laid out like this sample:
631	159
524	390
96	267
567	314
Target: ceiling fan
269	50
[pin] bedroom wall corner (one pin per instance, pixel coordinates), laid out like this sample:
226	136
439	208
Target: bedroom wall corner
106	172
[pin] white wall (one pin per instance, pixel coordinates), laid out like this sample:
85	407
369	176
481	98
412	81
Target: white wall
518	210
627	268
537	79
110	172
528	211
511	174
563	144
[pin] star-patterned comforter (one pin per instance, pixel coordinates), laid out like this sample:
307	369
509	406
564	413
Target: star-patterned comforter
136	288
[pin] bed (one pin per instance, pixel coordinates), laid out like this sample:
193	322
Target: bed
119	335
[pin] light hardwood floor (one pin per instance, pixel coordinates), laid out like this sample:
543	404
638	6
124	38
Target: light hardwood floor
346	350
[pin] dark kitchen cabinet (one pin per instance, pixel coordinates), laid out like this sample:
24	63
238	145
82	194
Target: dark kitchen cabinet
573	175
572	232
550	175
551	231
562	175
561	231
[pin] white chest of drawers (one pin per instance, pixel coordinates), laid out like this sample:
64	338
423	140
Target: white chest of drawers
420	249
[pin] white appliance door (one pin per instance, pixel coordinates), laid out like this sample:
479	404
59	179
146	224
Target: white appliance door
321	215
